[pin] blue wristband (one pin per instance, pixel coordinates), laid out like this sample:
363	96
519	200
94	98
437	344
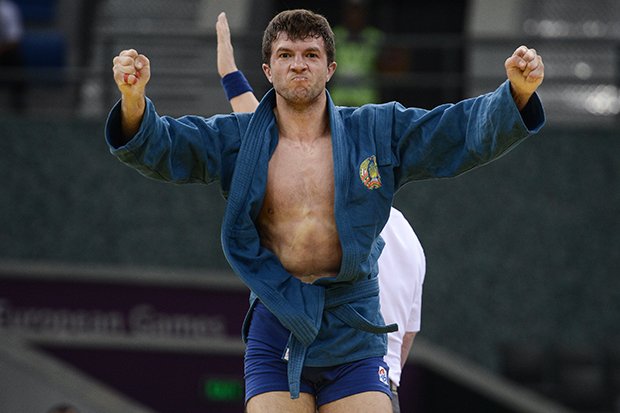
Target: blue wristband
235	84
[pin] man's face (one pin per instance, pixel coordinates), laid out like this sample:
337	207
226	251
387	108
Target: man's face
298	69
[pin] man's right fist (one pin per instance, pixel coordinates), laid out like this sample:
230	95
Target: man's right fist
132	71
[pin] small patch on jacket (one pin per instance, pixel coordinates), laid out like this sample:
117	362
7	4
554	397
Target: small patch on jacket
369	173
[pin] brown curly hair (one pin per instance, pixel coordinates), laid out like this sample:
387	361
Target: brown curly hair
299	24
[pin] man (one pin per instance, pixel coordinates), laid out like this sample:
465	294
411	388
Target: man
309	187
402	259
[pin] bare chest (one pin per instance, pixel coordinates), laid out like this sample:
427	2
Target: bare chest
301	175
297	220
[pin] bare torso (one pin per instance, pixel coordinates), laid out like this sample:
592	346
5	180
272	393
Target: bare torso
297	220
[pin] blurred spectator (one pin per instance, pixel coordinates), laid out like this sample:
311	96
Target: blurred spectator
359	44
11	34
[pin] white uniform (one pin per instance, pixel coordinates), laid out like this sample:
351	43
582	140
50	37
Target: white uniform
402	266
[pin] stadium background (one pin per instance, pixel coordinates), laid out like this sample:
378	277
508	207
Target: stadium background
523	255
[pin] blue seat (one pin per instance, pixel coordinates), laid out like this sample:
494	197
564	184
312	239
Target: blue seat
44	49
37	11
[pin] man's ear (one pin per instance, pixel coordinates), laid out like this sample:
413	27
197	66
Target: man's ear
331	69
267	72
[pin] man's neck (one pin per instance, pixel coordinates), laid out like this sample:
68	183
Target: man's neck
305	123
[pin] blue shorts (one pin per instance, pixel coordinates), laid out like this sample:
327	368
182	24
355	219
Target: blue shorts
266	370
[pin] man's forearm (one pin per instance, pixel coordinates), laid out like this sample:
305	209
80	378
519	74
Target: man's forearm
132	112
132	72
520	100
239	92
408	338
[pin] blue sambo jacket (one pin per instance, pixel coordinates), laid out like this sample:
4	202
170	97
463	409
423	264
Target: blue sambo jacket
376	150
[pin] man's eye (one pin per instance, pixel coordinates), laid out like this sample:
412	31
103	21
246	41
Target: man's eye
313	55
284	55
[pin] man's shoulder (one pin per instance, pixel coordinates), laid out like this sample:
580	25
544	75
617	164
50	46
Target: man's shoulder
364	111
224	123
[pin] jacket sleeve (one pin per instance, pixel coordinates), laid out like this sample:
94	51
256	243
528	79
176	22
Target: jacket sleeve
185	150
454	138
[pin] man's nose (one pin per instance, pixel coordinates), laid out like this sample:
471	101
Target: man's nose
298	63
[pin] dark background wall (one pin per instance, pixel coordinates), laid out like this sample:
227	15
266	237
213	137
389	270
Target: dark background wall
66	198
525	250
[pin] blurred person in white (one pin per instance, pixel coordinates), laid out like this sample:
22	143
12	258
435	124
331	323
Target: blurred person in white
11	61
402	258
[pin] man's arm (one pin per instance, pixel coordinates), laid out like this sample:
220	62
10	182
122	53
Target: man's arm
238	90
183	150
405	348
132	72
525	71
